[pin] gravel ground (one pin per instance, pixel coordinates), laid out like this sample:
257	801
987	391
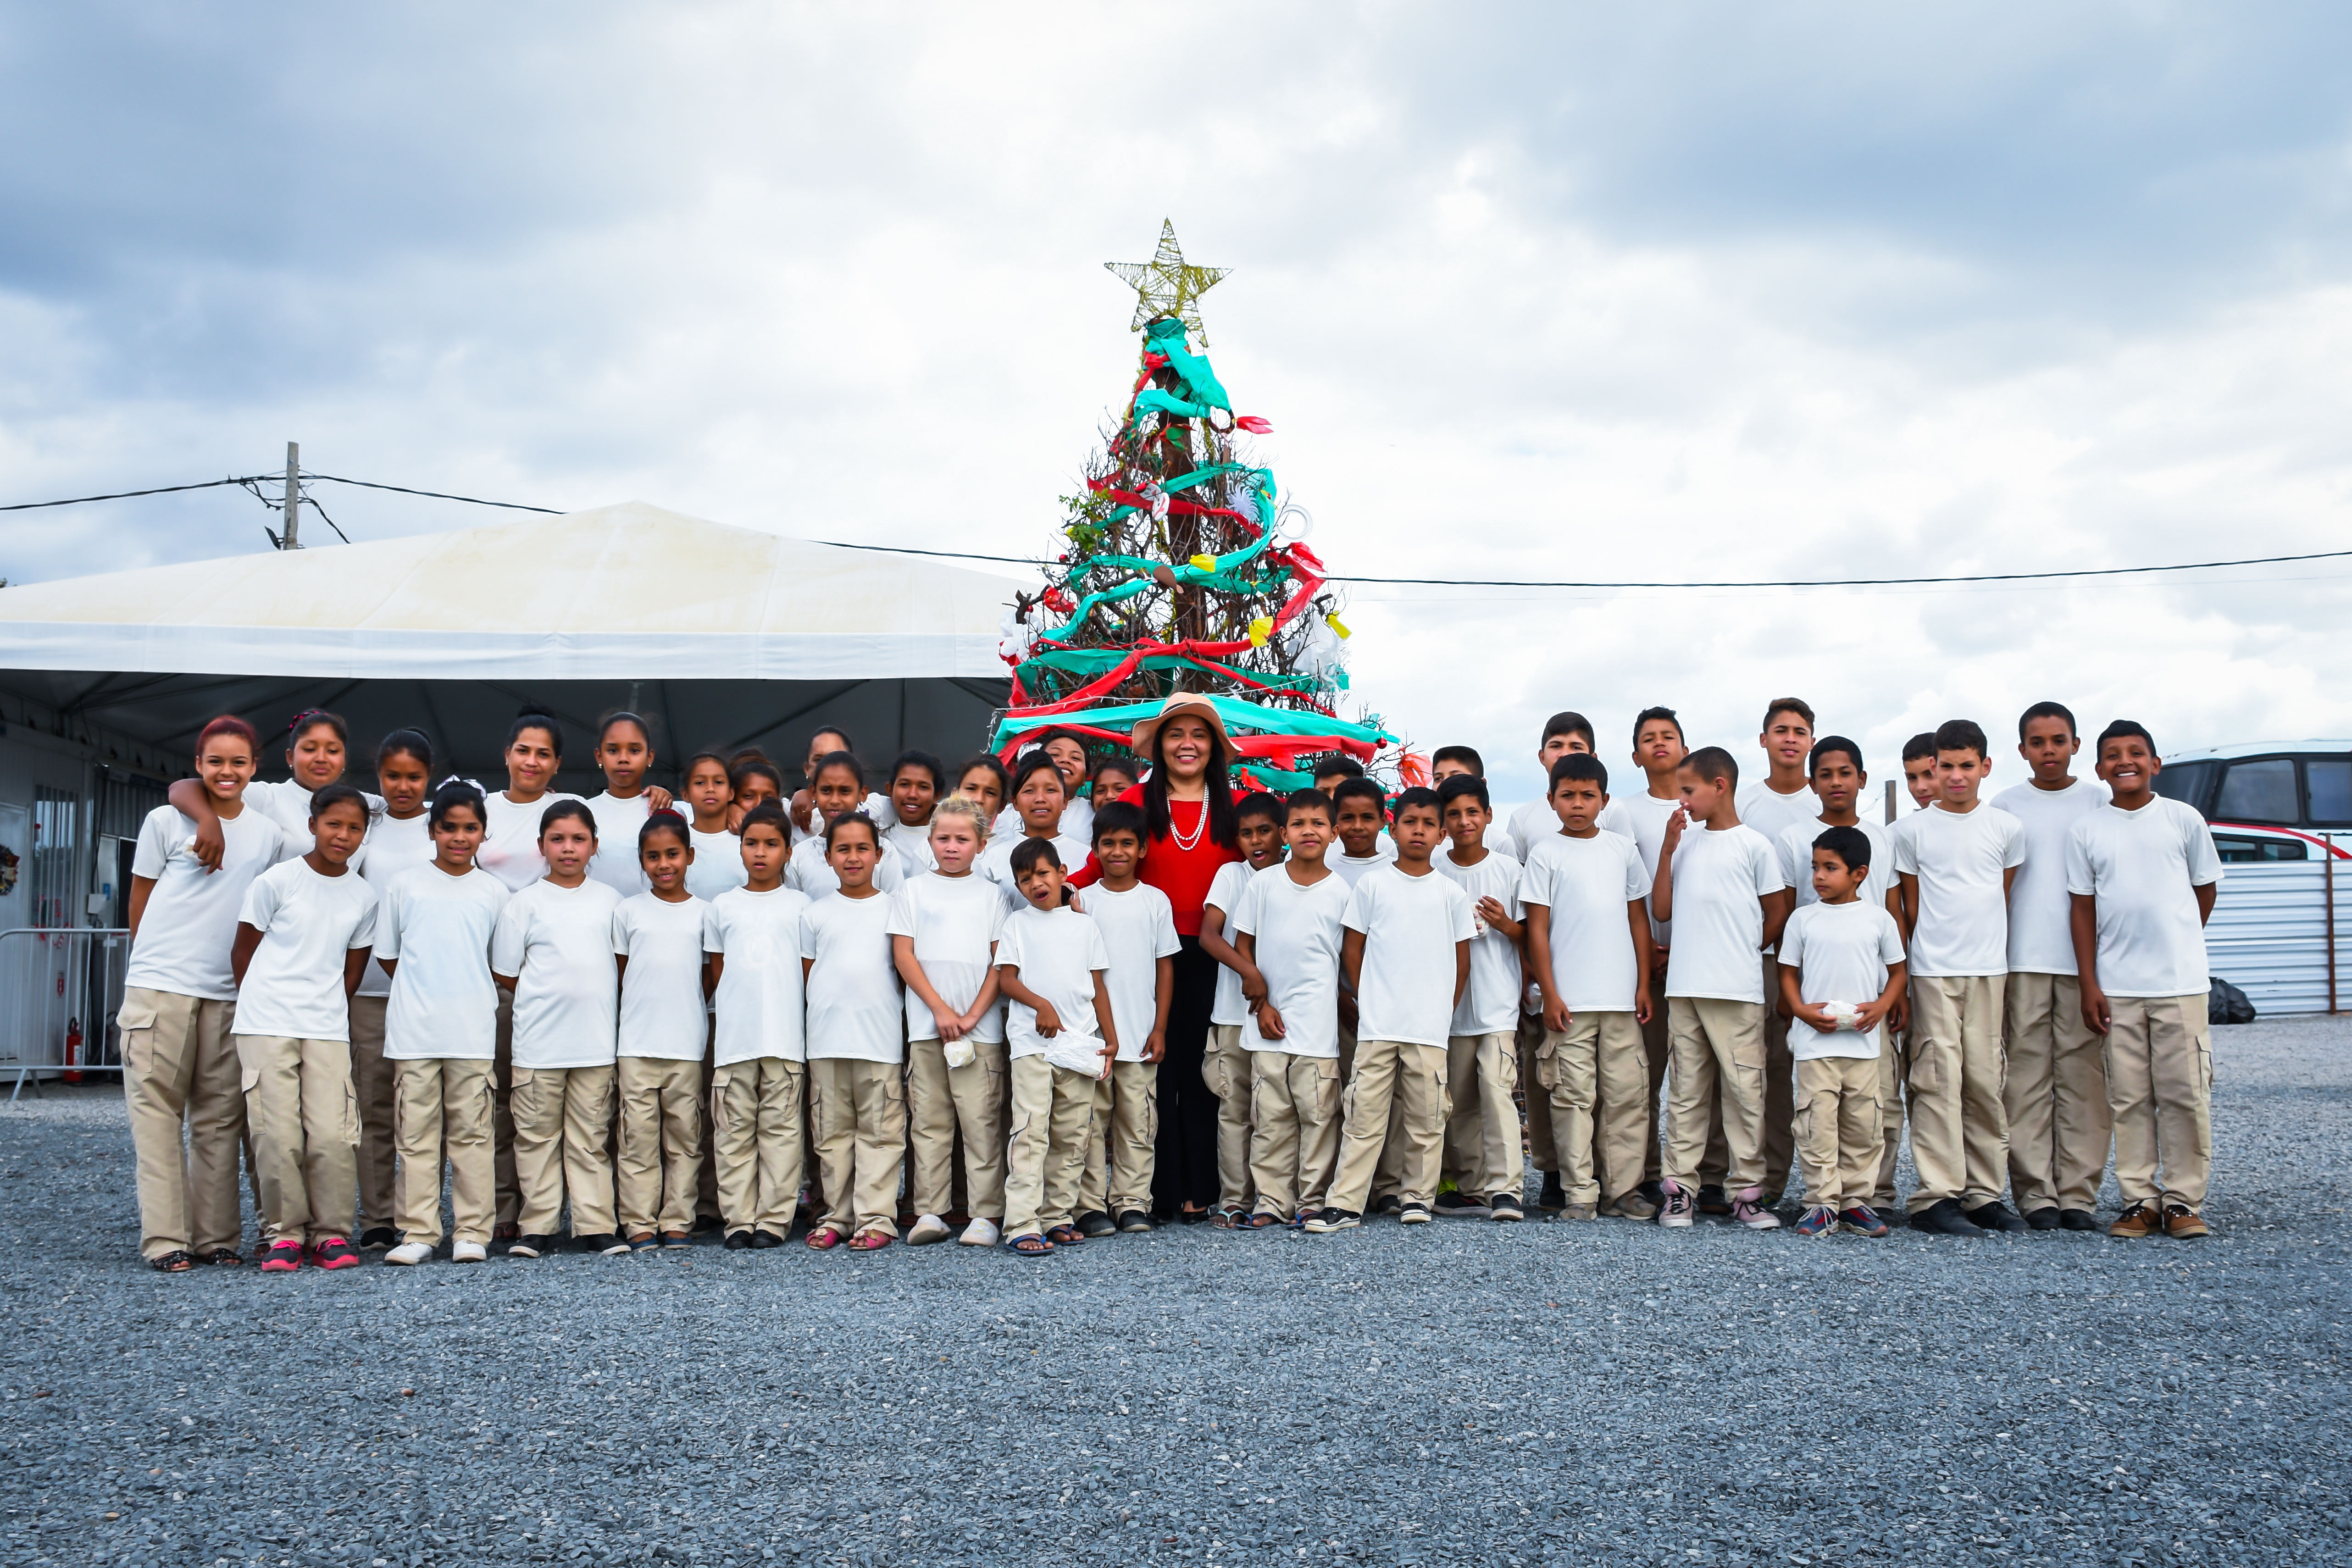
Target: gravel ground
1465	1393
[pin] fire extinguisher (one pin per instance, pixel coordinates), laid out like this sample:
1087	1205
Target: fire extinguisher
73	1051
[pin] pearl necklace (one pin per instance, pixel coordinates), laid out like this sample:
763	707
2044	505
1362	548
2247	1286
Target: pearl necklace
1177	834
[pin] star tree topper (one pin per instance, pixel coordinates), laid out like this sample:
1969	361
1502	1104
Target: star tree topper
1166	286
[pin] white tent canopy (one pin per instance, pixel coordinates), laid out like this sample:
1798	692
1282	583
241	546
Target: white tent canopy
622	592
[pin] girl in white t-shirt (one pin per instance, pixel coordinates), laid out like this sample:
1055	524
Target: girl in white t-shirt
1039	798
434	930
717	862
554	952
1067	752
318	750
758	1075
857	1044
657	940
624	751
398	841
917	779
943	928
302	941
984	780
808	819
179	1003
838	786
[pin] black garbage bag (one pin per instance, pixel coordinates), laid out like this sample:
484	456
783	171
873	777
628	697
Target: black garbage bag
2227	1004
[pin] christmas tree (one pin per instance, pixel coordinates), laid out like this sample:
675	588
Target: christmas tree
1183	568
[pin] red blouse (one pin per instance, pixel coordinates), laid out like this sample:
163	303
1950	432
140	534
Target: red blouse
1183	874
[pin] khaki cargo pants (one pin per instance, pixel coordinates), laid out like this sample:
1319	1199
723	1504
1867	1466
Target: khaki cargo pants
1396	1107
1595	1077
1960	1128
1717	1069
441	1109
940	1100
659	1162
2159	1065
304	1117
1232	1077
1120	1140
1482	1154
2056	1092
187	1120
861	1141
1838	1135
562	1122
1294	1130
758	1152
1046	1145
376	1083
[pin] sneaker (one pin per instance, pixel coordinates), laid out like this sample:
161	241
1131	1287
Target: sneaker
1460	1206
738	1241
1820	1220
469	1252
1094	1222
1944	1217
408	1254
675	1240
1573	1211
1331	1219
2183	1223
604	1242
762	1240
1503	1206
335	1252
1554	1196
1389	1205
1993	1216
1862	1220
281	1257
1749	1209
2139	1221
531	1246
1711	1199
980	1232
643	1241
1633	1206
2044	1218
927	1230
1414	1214
1675	1214
2079	1219
378	1239
1135	1222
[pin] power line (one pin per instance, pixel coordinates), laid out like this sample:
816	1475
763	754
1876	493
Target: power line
126	494
437	495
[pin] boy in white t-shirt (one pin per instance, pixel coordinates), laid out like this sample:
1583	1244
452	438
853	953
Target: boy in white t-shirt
1658	751
1139	933
2056	1085
1482	1152
1956	860
1840	976
1407	955
2143	873
759	1074
1586	894
1772	805
1288	934
1058	1027
1361	808
1259	819
1720	882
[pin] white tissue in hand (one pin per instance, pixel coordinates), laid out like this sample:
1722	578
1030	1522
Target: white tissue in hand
959	1052
1847	1014
1076	1052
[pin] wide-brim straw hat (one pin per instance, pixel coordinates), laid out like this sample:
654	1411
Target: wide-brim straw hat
1182	702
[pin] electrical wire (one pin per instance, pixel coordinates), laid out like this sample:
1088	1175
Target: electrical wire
437	495
126	494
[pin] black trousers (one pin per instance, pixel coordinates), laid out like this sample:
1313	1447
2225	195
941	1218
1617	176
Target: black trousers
1184	1156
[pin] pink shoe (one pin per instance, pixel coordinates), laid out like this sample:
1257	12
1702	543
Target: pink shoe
1747	1208
281	1257
334	1252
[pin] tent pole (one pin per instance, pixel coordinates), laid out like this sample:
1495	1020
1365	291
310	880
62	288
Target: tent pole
293	508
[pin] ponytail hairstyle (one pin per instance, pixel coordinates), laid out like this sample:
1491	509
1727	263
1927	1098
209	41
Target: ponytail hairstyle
966	808
406	743
327	794
852	819
455	793
562	810
532	716
644	730
229	724
1035	762
310	718
658	822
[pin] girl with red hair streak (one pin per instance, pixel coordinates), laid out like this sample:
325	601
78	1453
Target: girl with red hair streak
179	1008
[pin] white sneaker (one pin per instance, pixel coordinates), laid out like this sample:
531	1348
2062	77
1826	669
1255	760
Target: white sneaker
930	1227
408	1254
979	1233
469	1252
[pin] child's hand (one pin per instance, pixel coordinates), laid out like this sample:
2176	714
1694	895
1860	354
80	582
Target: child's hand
1492	912
209	846
1269	1022
1644	1009
951	1025
1658	960
2096	1011
1556	1016
1254	989
803	804
1049	1022
1156	1045
1109	1055
1900	1016
659	799
1867	1016
1677	821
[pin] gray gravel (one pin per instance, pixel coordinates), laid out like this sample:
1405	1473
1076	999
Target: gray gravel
1466	1393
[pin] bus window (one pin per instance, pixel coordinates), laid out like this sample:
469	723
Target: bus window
2260	792
2329	781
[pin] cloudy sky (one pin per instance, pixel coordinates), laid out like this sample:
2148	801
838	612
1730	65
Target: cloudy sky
1701	293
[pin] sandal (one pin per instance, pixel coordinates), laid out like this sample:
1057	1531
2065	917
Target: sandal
228	1256
823	1239
871	1240
1065	1236
172	1263
1031	1245
1226	1219
1263	1221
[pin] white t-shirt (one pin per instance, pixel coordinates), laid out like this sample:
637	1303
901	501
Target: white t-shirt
1645	819
1490	1002
1959	857
2141	867
287	804
1296	933
190	922
1845	950
1719	878
618	822
718	863
1139	929
995	865
953	921
509	849
437	929
1586	883
854	1006
913	843
1057	954
1352	867
1077	822
395	846
809	872
761	1000
1771	813
309	924
662	1015
557	942
877	807
1796	850
1226	894
1405	987
2041	914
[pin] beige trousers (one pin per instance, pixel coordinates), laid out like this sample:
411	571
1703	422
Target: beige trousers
2056	1095
2159	1066
1120	1141
187	1120
1543	1140
1894	1069
1718	1055
1594	1076
1046	1145
1396	1097
441	1108
758	1152
1232	1079
374	1081
1959	1132
305	1118
1838	1141
660	1156
1482	1152
939	1100
861	1141
562	1118
1294	1130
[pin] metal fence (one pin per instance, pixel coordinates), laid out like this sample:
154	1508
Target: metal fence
60	989
2282	933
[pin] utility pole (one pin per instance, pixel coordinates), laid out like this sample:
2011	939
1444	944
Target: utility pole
292	514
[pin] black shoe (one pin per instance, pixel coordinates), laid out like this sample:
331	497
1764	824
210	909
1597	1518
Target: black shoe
2044	1220
1711	1199
1135	1222
763	1239
1993	1216
1554	1196
1459	1205
605	1242
379	1238
1656	1191
2079	1219
531	1246
1412	1214
1945	1217
1331	1220
1094	1222
1503	1206
1389	1205
739	1241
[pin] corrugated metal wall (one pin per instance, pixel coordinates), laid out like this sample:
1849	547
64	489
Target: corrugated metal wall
2268	936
